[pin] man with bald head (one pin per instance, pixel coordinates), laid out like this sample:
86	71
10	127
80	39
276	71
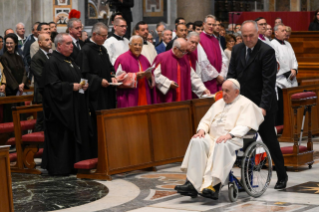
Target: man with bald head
43	28
166	38
253	64
211	152
37	63
134	64
174	77
181	32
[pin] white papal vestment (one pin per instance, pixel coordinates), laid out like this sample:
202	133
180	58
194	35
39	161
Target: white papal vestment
208	163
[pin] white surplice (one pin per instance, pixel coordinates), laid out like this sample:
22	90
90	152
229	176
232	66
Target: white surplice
286	58
163	83
208	163
149	52
205	70
116	47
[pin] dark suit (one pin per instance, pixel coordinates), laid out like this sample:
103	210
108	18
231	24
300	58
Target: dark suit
76	50
37	63
26	49
222	42
257	79
160	48
170	44
125	9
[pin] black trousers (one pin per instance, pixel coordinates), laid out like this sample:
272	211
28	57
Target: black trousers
39	126
280	112
268	135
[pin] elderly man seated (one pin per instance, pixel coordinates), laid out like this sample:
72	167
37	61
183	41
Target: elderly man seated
211	152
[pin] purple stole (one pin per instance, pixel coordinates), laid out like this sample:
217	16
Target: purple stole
169	68
212	49
128	97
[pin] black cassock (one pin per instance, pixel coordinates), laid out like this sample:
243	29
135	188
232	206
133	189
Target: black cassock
68	131
95	66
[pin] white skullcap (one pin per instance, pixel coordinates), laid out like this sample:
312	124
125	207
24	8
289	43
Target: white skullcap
235	82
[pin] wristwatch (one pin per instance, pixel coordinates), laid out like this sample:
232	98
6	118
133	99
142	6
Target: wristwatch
232	136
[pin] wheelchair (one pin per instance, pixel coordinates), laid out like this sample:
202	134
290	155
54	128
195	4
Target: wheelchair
256	169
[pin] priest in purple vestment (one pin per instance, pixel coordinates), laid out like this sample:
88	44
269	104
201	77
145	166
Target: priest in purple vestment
216	70
174	77
133	62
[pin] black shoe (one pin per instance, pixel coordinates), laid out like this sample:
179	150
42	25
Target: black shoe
281	183
187	189
211	192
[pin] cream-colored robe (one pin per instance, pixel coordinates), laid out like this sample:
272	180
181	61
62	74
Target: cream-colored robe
149	52
208	163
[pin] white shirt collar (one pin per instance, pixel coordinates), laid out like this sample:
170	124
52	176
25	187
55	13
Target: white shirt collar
46	53
73	39
92	41
35	38
208	34
19	38
165	44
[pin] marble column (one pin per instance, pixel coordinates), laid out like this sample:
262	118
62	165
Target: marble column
192	10
271	5
13	12
295	5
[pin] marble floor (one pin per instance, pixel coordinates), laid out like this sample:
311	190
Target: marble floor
144	191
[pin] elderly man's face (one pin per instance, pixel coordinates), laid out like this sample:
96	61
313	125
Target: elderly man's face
179	52
99	38
136	47
66	47
281	33
209	26
239	40
20	30
250	35
238	28
262	26
229	92
181	31
192	43
167	37
76	29
150	38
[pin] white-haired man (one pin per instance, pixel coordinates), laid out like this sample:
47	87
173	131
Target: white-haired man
20	30
166	38
211	152
215	65
67	125
174	77
135	63
288	66
117	44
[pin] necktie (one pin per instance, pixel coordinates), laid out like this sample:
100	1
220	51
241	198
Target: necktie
248	55
49	55
78	44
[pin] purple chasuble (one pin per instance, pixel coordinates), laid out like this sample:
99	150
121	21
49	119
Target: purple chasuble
169	68
128	97
212	49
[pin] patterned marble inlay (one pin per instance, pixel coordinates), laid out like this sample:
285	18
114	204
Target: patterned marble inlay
46	193
308	187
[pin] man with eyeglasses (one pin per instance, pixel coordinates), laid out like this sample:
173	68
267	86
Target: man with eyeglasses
117	44
238	28
220	38
262	26
174	77
213	60
75	30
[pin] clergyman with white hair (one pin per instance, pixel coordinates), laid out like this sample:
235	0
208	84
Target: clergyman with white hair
174	77
67	133
211	152
137	67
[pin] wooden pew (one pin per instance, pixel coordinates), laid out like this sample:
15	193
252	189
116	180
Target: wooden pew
287	135
25	153
6	201
142	137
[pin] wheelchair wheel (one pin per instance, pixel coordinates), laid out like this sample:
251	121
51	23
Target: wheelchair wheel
232	192
255	175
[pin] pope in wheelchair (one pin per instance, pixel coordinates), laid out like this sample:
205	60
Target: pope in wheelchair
211	152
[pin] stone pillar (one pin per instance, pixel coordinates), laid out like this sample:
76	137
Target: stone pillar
295	5
13	12
271	5
314	5
193	10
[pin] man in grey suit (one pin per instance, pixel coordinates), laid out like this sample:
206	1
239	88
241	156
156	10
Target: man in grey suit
37	63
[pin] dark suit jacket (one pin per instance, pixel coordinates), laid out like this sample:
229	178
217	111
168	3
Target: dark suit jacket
257	78
76	50
125	9
37	63
222	42
160	48
170	44
26	50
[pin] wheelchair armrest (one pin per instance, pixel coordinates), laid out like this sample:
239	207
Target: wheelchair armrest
250	135
249	138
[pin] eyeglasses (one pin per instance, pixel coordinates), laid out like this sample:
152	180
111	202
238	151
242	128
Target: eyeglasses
265	24
183	52
104	36
122	26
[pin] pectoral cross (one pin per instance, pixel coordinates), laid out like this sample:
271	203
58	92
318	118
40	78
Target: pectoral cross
68	61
